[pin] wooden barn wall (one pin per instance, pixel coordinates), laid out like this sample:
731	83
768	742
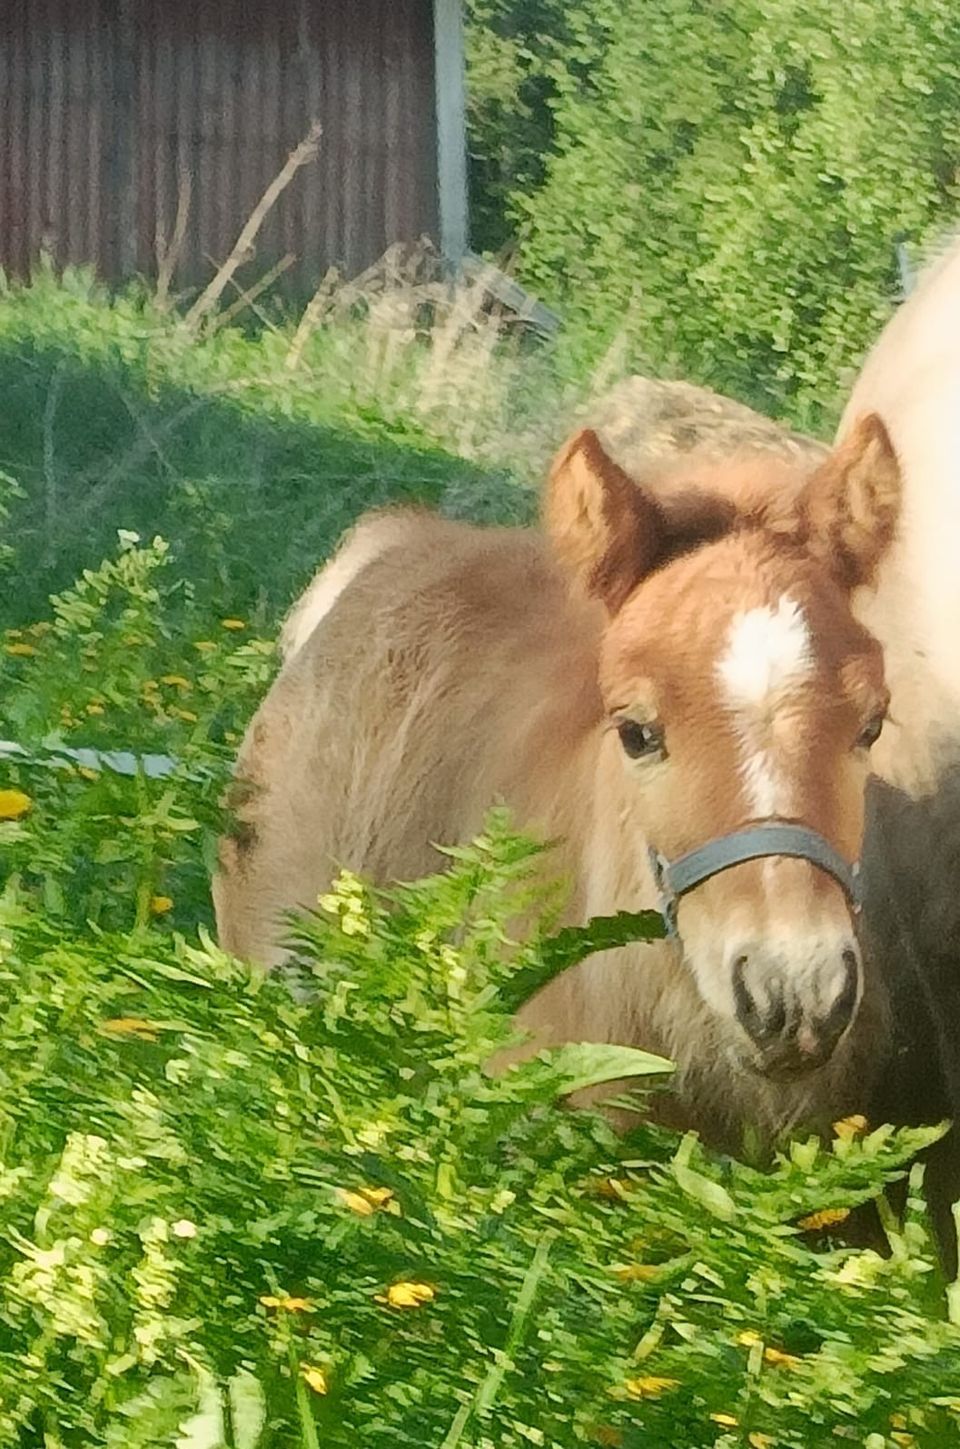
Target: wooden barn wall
105	103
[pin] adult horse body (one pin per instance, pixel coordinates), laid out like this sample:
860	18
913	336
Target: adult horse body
912	855
676	659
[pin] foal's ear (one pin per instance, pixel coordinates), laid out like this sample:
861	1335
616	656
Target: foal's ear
604	528
852	503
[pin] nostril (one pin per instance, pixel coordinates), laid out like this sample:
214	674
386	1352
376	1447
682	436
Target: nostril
762	1022
743	1001
841	1012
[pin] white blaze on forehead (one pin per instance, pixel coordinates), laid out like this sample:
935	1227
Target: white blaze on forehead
768	652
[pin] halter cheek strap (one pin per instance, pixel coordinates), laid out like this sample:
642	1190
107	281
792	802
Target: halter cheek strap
674	878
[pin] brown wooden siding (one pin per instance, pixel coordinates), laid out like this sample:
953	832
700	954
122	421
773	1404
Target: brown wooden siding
104	103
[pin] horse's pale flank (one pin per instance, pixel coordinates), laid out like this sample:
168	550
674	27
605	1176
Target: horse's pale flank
673	658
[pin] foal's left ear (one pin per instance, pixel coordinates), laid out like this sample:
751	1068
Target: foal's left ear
851	506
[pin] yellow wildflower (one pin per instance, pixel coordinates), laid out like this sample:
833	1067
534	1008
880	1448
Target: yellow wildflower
315	1377
184	714
13	804
87	773
176	681
779	1359
283	1303
355	1203
726	1421
748	1338
94	708
407	1294
849	1127
650	1387
760	1441
377	1196
827	1218
898	1421
232	624
130	1026
159	905
365	1200
23	651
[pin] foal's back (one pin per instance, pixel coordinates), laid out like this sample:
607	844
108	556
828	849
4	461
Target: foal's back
433	668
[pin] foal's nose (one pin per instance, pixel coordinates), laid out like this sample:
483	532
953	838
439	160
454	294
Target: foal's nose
795	1004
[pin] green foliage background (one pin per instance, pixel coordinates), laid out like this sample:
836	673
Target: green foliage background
723	181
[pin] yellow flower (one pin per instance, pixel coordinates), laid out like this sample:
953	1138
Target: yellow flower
87	773
130	1026
726	1421
748	1338
650	1387
159	905
779	1359
94	709
185	714
315	1377
365	1200
13	804
898	1421
760	1441
849	1127
232	624
407	1294
24	651
378	1196
827	1218
176	681
283	1303
356	1203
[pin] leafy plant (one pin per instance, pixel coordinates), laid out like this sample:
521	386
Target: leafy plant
294	1210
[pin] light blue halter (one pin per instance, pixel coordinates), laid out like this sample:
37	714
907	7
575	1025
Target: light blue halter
675	878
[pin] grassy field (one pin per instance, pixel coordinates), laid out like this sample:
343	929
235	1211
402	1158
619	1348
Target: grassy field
235	1218
250	462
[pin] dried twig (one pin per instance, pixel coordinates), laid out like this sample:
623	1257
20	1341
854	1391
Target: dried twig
249	295
314	310
168	254
243	247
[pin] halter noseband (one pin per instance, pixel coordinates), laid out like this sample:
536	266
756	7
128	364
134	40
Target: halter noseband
674	878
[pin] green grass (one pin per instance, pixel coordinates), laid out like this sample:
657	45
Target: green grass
113	417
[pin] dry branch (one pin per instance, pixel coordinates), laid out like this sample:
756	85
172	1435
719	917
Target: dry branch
244	246
249	295
312	314
168	254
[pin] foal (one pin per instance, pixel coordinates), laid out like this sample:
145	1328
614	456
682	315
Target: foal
672	683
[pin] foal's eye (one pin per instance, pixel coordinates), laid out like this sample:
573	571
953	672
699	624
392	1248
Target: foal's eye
640	739
870	733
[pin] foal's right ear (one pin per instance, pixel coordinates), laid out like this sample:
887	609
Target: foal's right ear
604	528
